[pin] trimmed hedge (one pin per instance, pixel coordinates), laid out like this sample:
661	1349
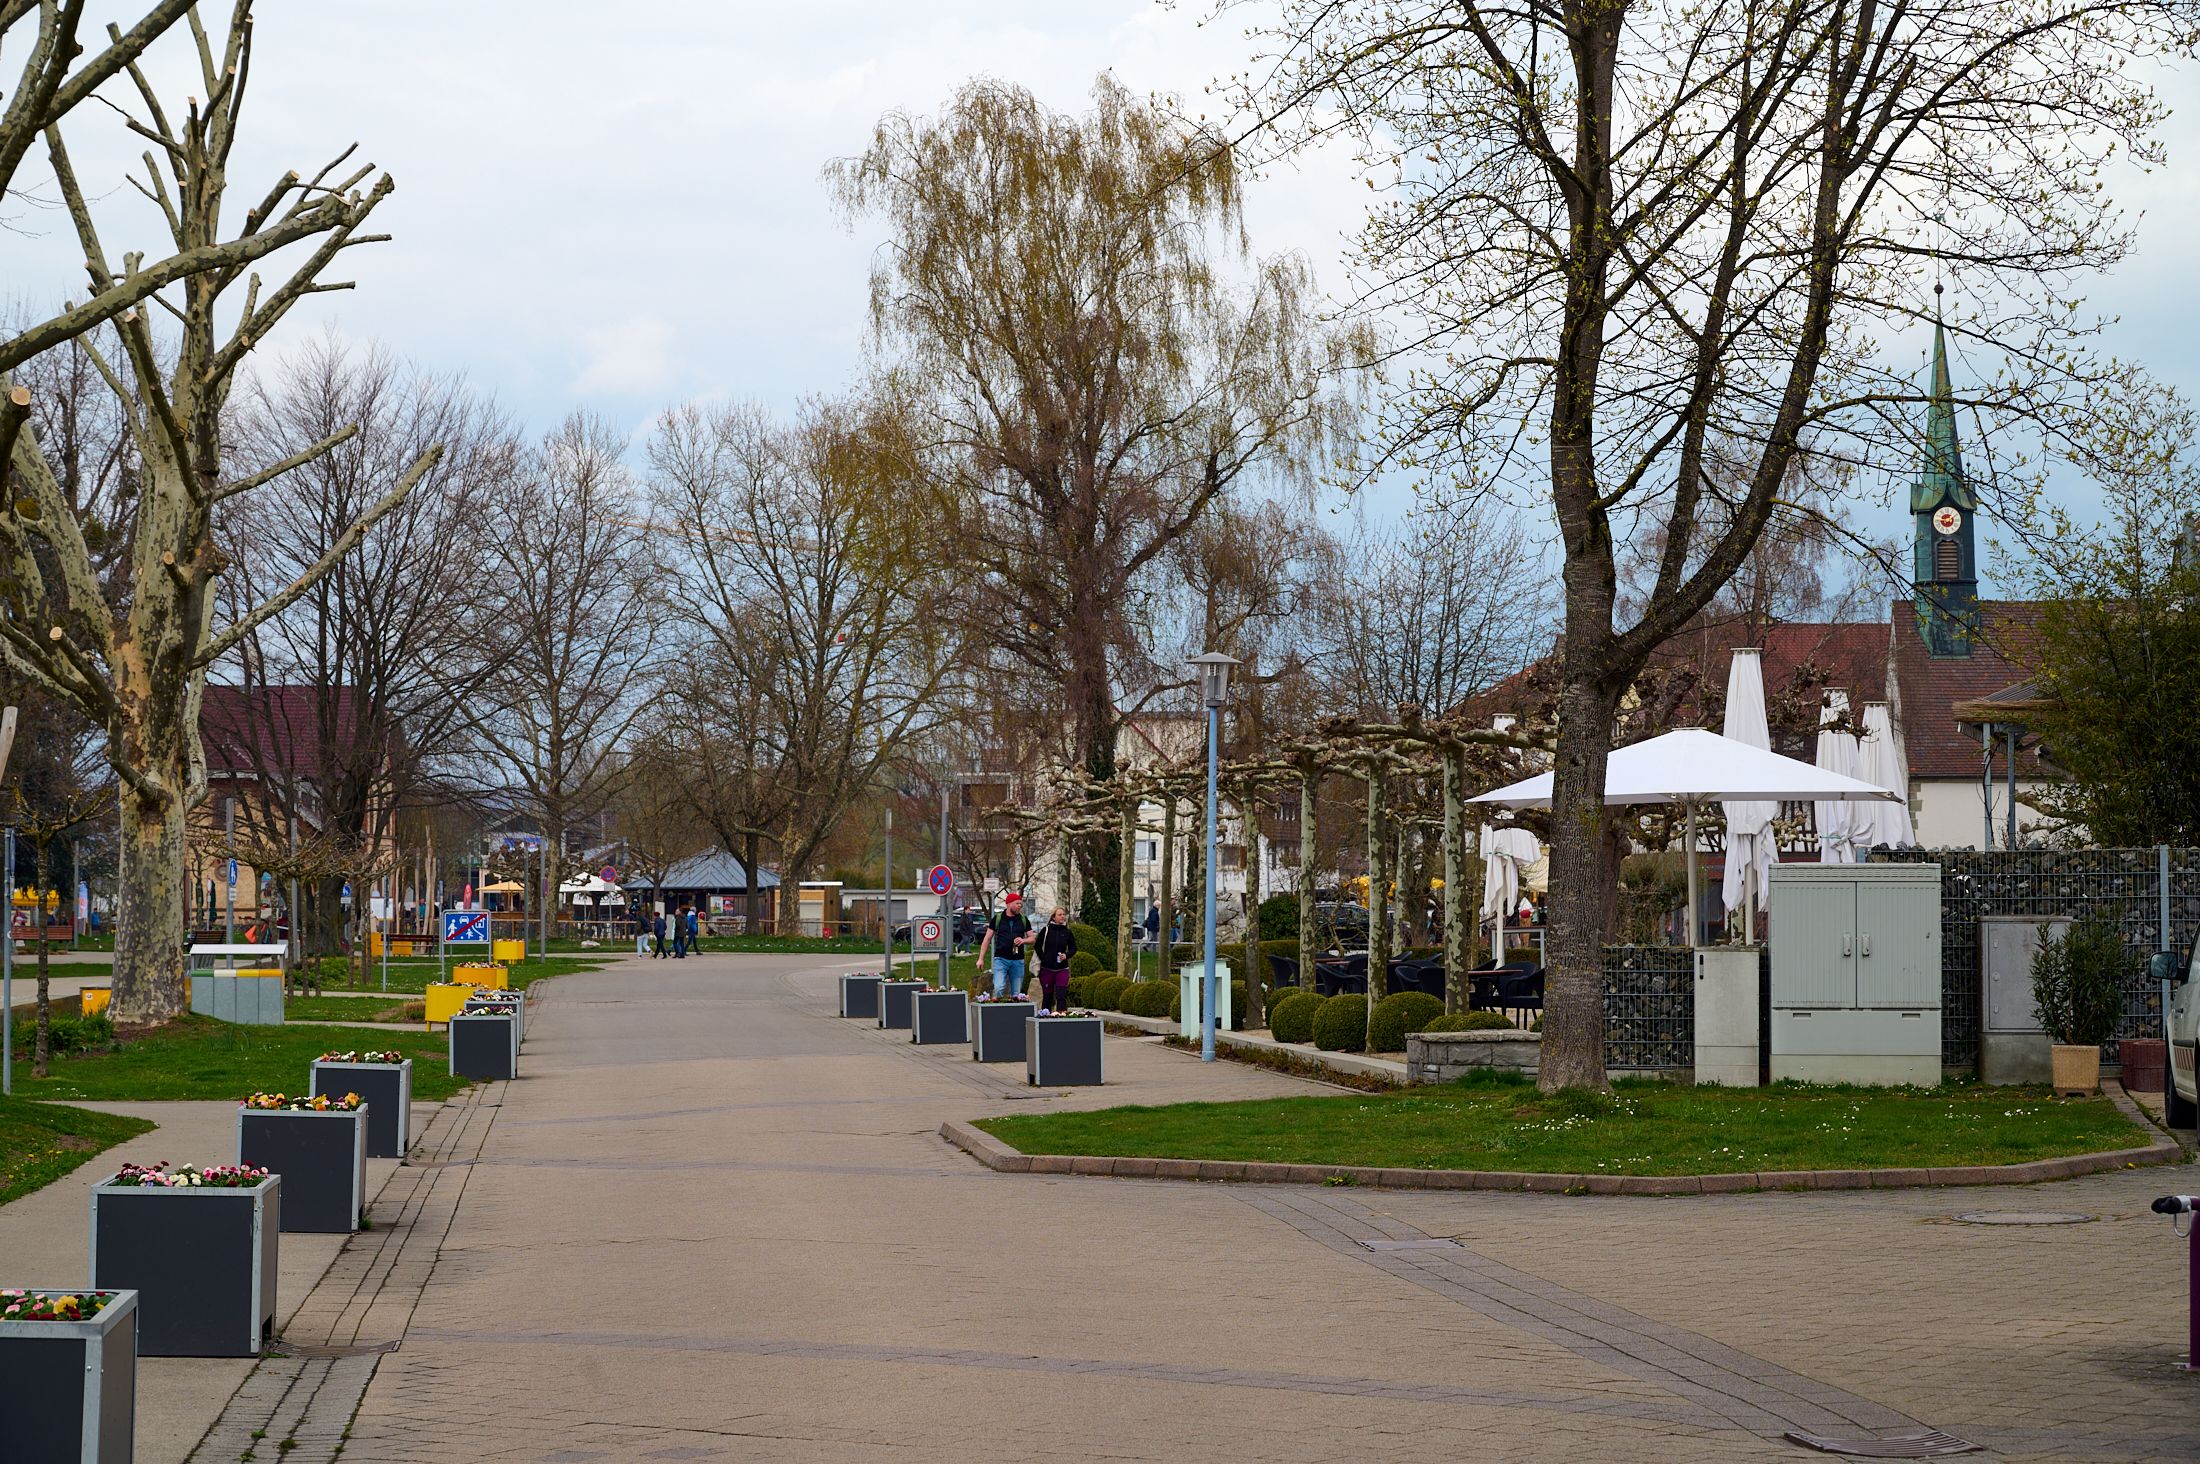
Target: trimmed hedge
1291	1019
1468	1022
1085	963
1107	992
1090	939
1279	919
1340	1025
1396	1015
1148	998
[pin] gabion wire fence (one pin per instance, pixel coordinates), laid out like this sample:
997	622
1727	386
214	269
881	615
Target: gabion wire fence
1649	1008
2121	885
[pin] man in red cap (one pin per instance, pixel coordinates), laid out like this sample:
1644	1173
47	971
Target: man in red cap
1004	942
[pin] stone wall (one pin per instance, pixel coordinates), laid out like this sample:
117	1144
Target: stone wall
1443	1057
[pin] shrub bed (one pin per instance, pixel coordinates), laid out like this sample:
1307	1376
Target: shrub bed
1468	1022
1107	992
1340	1025
1394	1016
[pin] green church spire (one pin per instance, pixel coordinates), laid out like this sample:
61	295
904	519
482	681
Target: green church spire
1940	476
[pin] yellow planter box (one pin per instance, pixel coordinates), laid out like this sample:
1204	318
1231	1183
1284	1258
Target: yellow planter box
399	945
446	1001
95	999
488	977
510	952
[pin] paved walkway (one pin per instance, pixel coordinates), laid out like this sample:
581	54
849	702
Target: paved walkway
712	1222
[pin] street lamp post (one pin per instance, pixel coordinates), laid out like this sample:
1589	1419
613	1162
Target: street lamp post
1214	688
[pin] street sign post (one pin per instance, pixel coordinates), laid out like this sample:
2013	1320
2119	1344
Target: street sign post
460	927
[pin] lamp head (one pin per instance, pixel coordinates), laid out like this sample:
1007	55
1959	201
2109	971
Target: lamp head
1214	677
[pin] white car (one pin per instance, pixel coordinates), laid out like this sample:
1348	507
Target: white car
2181	1019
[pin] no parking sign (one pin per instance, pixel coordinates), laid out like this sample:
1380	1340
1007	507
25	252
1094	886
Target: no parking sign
941	881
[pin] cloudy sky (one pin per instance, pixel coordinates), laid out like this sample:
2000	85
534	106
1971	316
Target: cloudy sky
620	207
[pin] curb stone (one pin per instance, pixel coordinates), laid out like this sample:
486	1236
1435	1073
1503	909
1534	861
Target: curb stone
995	1155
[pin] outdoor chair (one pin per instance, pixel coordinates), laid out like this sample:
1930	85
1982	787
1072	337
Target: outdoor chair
1520	991
1283	971
1422	974
1334	978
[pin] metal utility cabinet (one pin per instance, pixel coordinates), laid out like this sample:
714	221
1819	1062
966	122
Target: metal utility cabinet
1856	973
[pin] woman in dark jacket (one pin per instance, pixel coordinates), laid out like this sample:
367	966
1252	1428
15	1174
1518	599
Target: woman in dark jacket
1056	944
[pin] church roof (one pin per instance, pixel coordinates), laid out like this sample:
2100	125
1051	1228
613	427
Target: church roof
1930	688
1940	476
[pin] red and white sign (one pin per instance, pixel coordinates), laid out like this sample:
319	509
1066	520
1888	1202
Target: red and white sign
941	881
931	933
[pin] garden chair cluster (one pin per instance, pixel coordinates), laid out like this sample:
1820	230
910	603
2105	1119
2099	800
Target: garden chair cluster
1515	988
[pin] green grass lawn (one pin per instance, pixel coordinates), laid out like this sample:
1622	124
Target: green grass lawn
411	974
1642	1127
372	1007
197	1057
40	1142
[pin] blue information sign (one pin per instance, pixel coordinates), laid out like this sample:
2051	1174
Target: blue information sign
465	927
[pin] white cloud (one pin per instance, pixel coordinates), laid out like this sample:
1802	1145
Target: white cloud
630	358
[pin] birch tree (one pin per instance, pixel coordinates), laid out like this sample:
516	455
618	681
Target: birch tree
133	654
1647	255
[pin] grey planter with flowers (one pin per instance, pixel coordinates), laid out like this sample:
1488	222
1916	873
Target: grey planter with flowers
997	1031
484	1046
321	1155
201	1258
388	1089
512	1004
68	1389
1063	1052
859	995
897	1003
939	1018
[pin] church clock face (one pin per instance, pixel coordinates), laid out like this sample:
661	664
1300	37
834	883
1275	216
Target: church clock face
1946	519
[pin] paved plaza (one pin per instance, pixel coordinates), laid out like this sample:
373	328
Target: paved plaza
712	1222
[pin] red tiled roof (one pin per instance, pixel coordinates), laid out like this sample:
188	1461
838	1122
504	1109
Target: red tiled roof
269	729
1929	686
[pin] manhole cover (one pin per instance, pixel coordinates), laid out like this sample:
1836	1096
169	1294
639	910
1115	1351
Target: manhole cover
1922	1443
2023	1217
1391	1245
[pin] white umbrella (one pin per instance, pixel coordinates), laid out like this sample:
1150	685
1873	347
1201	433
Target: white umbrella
1836	753
1693	767
1507	854
1749	841
1886	824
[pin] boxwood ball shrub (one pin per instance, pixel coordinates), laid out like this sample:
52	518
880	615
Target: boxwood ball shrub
1291	1019
1090	941
1340	1025
1467	1022
1396	1015
1149	998
1085	963
1107	992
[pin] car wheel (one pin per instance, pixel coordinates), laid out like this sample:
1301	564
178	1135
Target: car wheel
2179	1109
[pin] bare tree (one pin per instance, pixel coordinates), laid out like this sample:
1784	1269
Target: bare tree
133	655
1634	243
1057	291
58	782
816	592
566	625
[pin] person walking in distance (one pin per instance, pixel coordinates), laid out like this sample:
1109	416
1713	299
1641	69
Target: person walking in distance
694	933
1056	943
680	933
1004	943
657	929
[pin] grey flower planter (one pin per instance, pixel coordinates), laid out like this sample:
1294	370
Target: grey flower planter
998	1033
202	1262
498	1003
859	996
895	1004
68	1390
388	1089
484	1046
1063	1052
322	1157
940	1017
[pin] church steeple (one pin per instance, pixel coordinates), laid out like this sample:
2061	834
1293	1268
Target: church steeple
1945	578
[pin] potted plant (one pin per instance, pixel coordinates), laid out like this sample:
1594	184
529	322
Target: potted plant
2078	987
318	1144
997	1028
384	1080
199	1247
68	1375
1062	1049
859	994
511	1004
939	1016
897	1002
484	1045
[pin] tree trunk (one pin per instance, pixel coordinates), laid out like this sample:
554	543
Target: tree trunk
42	1044
1126	955
752	908
1195	883
1256	968
1573	1021
1456	995
150	930
1378	911
1308	780
1165	932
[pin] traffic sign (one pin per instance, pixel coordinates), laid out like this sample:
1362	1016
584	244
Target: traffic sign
465	927
232	874
931	934
941	880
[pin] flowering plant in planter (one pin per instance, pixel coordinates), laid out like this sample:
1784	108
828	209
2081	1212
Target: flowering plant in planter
320	1103
187	1176
987	996
1078	1012
26	1306
358	1057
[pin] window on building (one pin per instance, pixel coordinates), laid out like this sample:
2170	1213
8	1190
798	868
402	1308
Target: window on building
1947	559
1149	850
1229	856
1287	810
